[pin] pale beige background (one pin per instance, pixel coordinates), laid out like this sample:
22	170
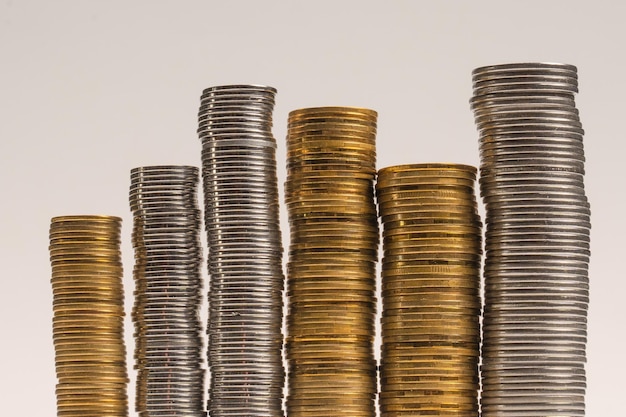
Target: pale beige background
90	89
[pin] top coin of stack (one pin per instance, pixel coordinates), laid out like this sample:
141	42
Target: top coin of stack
168	256
245	250
537	239
88	324
331	166
430	290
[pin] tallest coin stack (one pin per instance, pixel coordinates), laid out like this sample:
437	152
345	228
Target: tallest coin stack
245	251
537	240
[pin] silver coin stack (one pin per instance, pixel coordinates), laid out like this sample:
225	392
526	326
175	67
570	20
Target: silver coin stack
537	240
168	291
245	251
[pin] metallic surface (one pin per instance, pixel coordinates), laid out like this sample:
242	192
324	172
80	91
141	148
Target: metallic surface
245	251
431	304
331	286
537	240
168	285
88	306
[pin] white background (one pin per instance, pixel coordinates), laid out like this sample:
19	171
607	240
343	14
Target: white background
89	90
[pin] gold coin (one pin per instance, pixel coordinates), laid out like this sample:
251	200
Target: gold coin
425	290
436	254
428	204
331	206
330	180
442	369
440	188
355	273
329	168
294	128
386	184
430	410
428	167
429	352
471	233
337	245
100	268
343	307
417	303
79	279
333	118
329	296
333	111
328	257
427	239
430	322
315	199
399	282
468	196
317	328
332	143
307	362
428	217
331	285
297	156
86	218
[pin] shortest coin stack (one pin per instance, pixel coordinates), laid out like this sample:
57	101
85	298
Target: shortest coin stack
88	316
430	290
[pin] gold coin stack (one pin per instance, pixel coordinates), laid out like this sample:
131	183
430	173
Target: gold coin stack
331	166
430	290
88	324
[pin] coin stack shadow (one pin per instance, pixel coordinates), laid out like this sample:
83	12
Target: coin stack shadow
168	291
430	290
88	324
245	251
331	167
537	240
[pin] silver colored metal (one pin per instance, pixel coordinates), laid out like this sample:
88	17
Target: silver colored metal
245	251
168	257
536	240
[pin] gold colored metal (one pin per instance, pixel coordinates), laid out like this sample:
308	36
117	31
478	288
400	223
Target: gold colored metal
430	289
88	310
331	283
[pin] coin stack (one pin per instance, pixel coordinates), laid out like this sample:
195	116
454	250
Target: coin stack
245	251
168	285
329	191
88	324
430	290
537	240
